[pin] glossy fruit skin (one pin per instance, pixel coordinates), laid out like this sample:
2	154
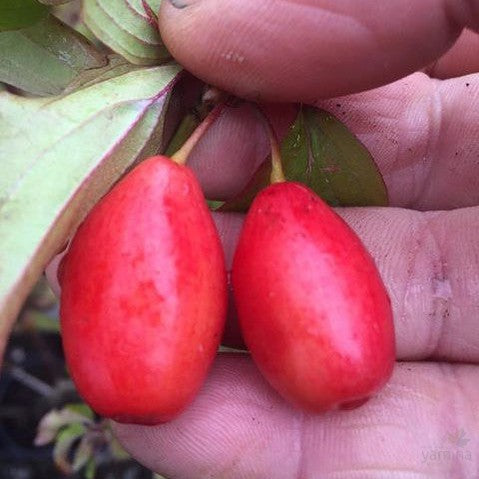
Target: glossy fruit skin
313	309
143	299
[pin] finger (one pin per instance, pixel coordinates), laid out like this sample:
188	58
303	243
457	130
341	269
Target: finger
423	424
423	134
234	146
301	50
430	265
462	59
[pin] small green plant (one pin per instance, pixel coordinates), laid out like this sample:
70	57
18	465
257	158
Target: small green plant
81	440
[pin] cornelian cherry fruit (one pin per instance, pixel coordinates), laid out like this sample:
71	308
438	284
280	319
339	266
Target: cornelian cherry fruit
143	299
312	307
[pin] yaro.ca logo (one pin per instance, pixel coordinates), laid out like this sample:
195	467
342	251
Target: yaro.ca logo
453	448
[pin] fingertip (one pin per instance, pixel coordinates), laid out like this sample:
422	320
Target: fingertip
230	151
304	50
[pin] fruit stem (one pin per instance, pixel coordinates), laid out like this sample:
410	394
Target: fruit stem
181	156
277	172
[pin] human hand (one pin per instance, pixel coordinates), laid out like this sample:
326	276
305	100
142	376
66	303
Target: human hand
424	135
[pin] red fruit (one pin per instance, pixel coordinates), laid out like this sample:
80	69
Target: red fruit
144	296
312	307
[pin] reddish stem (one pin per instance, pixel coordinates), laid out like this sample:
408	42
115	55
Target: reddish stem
181	156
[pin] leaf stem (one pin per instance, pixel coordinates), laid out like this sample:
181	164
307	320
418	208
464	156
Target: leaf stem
277	172
181	156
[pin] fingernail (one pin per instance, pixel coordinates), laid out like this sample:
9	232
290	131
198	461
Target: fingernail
180	3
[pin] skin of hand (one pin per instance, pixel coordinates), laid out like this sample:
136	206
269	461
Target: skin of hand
424	134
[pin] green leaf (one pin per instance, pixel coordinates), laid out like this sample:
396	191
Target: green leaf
59	156
55	420
15	14
214	205
186	127
320	152
81	409
116	66
90	469
41	321
117	450
83	453
64	443
128	27
46	57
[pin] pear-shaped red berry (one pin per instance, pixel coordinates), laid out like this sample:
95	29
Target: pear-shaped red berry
143	297
312	306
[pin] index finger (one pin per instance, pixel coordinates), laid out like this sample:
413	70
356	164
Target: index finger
303	50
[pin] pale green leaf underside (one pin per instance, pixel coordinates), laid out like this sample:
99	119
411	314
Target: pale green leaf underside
45	58
124	26
58	156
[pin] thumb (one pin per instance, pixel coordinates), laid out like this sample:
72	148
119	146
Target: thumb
304	50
